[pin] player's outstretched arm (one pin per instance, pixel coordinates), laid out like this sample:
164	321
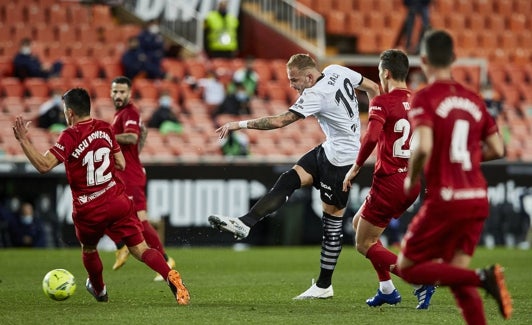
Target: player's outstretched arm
42	162
261	123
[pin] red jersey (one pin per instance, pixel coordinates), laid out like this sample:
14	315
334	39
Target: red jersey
460	122
127	120
87	150
393	148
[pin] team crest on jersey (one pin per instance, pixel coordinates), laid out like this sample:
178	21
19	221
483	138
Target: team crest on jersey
446	193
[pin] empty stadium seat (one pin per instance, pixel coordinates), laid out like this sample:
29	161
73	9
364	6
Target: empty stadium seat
37	87
12	87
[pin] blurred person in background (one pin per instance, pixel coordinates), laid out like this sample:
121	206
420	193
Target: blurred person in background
131	135
27	229
51	115
136	64
415	8
164	118
27	65
246	76
151	43
236	103
221	32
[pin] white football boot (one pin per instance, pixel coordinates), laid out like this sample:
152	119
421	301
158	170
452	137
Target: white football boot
230	224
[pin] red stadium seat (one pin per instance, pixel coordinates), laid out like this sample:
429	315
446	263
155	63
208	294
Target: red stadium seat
37	87
12	87
111	67
89	68
335	22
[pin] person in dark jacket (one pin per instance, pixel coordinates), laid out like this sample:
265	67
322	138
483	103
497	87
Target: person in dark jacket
28	65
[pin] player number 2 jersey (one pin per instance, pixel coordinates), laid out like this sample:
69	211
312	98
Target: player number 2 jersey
393	148
333	101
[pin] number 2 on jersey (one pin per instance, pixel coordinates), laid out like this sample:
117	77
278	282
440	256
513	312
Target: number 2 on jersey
401	126
96	175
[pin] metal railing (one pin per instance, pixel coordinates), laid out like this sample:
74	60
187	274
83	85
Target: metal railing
294	20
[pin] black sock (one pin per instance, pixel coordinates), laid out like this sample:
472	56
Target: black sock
331	247
120	244
287	183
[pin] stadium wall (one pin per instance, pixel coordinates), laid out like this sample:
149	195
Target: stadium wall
181	197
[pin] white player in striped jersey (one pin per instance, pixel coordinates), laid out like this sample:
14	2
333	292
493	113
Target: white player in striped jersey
330	96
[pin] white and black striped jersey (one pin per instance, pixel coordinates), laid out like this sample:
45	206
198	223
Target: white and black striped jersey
333	101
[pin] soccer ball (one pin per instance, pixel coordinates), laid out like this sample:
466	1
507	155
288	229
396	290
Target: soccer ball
59	284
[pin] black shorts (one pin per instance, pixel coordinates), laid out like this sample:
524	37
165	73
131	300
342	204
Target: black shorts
327	178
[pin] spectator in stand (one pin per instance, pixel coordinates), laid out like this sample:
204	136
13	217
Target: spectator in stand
51	115
236	103
415	8
221	32
416	80
151	42
135	62
27	229
492	99
247	76
213	90
236	144
28	65
164	117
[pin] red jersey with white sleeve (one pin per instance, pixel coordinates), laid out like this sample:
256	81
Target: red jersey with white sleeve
393	147
460	122
87	150
127	120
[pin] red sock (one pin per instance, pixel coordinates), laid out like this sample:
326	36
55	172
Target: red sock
440	274
155	260
470	304
151	237
93	265
382	259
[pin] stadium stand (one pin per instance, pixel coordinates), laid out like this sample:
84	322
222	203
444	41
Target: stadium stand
89	41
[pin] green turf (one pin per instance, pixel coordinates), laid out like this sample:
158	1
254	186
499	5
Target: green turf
254	286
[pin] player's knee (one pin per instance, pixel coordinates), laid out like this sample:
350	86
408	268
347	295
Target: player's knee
288	182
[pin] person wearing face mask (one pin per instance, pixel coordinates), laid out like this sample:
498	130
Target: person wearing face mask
236	103
51	115
27	229
137	63
28	65
151	43
164	117
221	32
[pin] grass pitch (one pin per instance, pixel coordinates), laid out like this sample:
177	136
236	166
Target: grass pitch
253	286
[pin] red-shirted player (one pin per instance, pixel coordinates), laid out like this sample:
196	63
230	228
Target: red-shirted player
454	133
130	134
91	157
389	131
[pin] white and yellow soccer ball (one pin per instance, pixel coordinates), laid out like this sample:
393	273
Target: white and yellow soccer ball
59	284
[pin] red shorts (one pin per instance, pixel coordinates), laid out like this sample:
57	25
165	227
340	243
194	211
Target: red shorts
386	199
442	230
115	215
138	195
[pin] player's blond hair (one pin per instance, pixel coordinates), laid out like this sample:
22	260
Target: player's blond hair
301	62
